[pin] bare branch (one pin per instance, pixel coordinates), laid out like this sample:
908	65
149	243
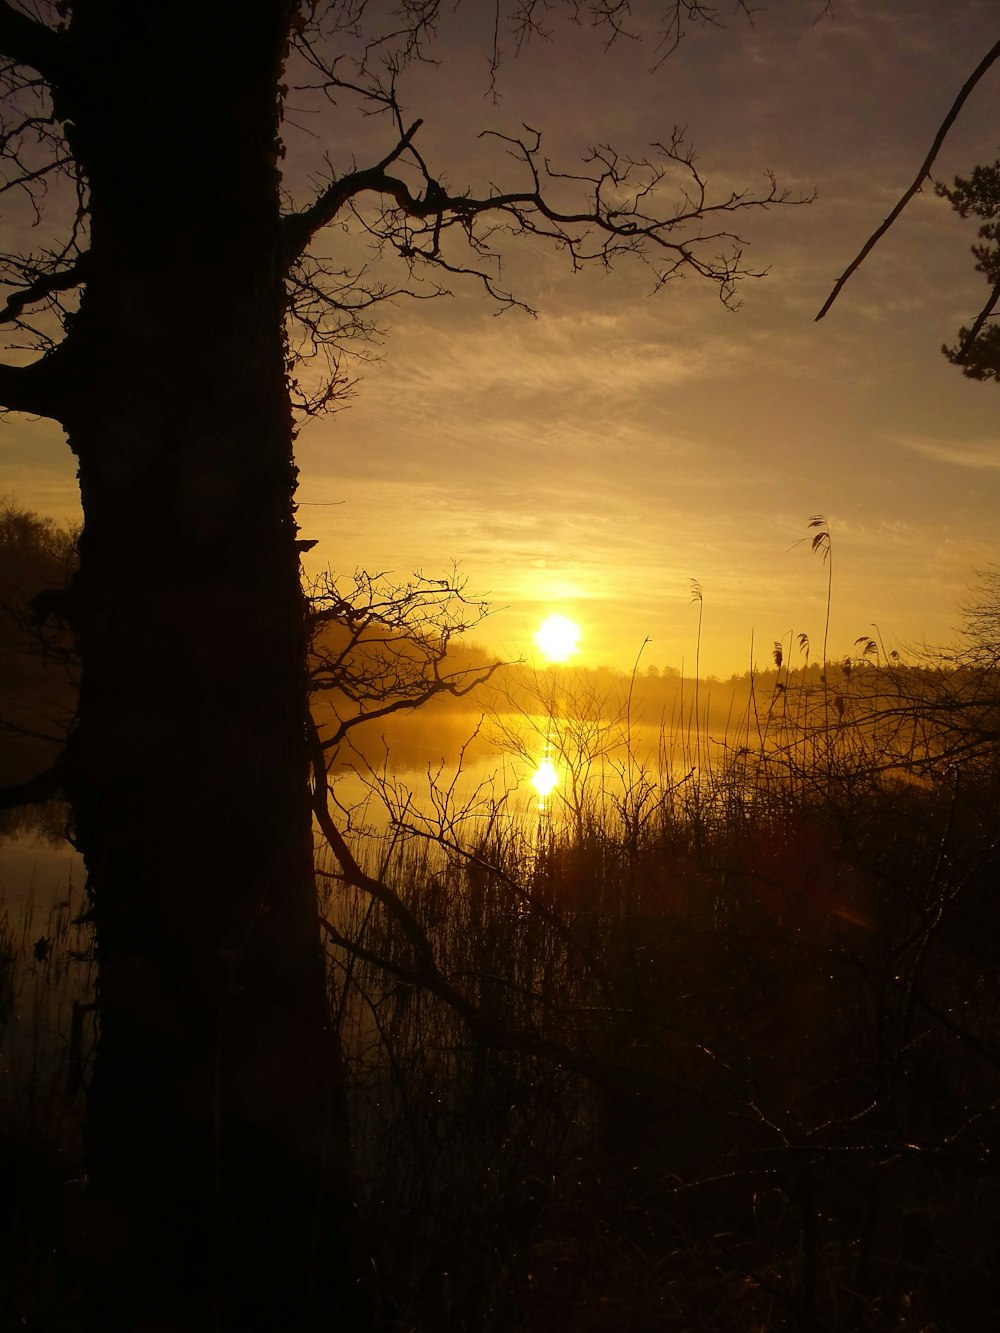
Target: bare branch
37	389
620	215
987	61
425	970
45	786
378	649
44	285
331	317
37	164
426	963
299	228
655	210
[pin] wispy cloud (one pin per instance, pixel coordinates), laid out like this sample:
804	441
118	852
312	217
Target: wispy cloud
981	455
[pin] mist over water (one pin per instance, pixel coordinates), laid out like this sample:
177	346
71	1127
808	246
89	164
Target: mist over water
461	776
461	796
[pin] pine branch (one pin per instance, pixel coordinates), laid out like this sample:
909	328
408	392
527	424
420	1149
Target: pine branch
961	356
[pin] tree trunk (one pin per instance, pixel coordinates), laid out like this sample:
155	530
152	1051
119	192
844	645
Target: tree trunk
214	1152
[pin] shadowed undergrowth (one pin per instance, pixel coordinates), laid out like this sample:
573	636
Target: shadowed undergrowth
740	1066
703	1049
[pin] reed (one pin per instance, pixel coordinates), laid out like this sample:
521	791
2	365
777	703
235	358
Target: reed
742	1069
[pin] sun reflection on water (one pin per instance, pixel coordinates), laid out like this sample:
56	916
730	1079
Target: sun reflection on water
545	779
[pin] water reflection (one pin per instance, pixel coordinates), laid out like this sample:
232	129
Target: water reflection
46	976
538	767
545	779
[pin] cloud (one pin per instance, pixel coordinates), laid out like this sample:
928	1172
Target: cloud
980	455
583	355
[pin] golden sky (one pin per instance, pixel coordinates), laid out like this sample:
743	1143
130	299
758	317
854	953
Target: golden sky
594	460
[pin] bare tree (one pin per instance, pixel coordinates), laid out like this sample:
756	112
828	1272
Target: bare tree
148	309
981	630
379	648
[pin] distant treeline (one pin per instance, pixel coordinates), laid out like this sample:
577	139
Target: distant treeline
37	663
398	672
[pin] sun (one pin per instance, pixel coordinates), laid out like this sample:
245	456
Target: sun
557	638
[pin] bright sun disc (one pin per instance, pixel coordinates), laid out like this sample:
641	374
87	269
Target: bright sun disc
558	638
545	778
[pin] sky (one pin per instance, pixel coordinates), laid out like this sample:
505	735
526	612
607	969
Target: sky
595	459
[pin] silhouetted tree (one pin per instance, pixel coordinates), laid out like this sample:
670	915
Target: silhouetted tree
981	629
380	648
148	140
978	348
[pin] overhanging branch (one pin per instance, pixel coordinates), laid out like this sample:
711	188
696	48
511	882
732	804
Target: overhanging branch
299	228
620	212
987	61
46	786
43	286
31	43
37	389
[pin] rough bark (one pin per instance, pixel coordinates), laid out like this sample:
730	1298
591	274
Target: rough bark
213	1148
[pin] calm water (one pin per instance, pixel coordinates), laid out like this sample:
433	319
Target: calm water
491	783
36	875
42	879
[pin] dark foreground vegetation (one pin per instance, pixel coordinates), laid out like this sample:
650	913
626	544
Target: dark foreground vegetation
736	1063
709	1044
730	1062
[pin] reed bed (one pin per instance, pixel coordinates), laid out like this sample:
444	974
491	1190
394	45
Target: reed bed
741	1066
46	1036
710	1042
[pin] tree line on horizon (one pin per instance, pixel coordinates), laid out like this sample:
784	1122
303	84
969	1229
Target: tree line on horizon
398	678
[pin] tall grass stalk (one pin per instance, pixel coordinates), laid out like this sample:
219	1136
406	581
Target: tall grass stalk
697	597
